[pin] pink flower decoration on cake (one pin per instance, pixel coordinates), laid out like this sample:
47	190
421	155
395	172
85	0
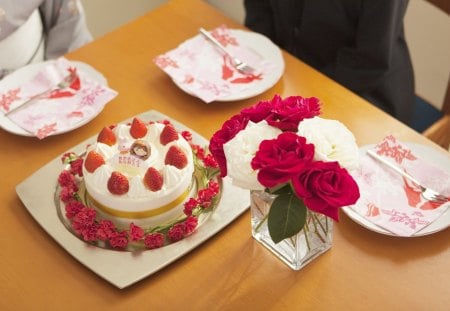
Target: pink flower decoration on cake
136	233
66	179
176	233
119	240
105	230
190	224
189	206
67	194
154	240
73	208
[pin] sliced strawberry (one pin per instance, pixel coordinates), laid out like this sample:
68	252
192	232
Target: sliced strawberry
138	128
107	136
168	134
118	183
153	179
176	157
93	161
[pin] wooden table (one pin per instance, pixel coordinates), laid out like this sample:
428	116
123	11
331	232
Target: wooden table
363	270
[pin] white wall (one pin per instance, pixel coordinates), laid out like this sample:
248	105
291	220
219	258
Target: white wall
427	32
106	15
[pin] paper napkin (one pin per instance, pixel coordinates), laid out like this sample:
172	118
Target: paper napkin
199	68
392	202
55	109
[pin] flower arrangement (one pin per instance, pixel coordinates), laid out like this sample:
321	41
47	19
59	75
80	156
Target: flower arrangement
282	147
88	226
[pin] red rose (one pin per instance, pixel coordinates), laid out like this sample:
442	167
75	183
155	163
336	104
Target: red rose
278	160
325	187
288	113
228	131
260	111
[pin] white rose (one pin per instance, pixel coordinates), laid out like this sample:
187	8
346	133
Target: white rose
333	141
240	151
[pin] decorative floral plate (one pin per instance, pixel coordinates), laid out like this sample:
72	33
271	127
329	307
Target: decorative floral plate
430	155
25	73
268	51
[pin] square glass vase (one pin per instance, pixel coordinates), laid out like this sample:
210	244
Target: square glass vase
314	239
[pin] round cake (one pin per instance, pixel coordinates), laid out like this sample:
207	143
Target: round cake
140	173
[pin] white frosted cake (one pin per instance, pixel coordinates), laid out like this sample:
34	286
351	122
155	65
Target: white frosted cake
140	173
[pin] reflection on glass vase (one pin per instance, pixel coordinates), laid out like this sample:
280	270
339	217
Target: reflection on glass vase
297	251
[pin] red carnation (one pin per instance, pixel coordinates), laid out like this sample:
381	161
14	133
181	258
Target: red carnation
83	219
189	206
68	157
73	208
154	240
136	233
190	224
214	186
89	232
105	230
176	233
209	161
66	179
67	194
119	240
76	167
186	135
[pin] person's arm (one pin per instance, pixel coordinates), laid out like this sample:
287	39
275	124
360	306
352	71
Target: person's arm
65	27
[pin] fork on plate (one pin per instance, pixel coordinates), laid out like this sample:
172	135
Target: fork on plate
64	83
427	193
237	63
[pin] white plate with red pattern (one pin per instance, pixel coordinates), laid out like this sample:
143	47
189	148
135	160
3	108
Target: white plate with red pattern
431	156
16	78
264	47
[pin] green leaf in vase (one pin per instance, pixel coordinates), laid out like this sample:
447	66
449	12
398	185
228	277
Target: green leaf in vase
287	216
285	189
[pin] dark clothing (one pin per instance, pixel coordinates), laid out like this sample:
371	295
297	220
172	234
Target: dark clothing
358	43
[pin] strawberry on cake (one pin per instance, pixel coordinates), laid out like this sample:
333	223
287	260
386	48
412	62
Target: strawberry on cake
140	173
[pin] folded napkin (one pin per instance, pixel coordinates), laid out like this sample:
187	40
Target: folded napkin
55	109
392	202
199	68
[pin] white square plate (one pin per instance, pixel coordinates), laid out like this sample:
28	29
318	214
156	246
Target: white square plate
119	267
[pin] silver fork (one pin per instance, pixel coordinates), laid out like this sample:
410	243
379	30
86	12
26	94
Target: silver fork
237	63
427	193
